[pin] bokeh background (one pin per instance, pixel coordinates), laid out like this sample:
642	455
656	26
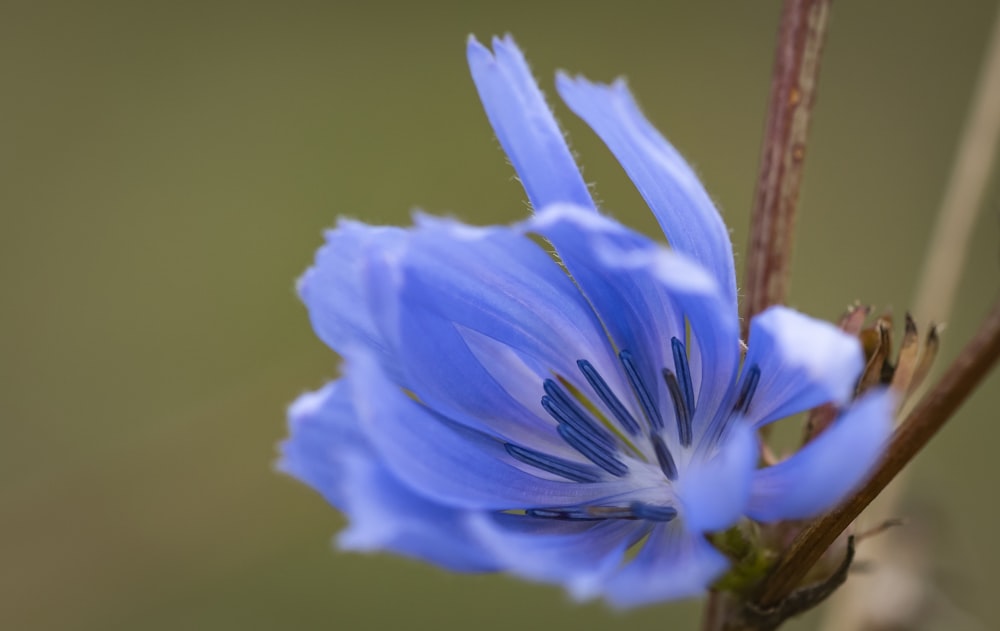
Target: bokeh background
166	170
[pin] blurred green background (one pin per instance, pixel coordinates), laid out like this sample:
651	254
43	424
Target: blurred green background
166	170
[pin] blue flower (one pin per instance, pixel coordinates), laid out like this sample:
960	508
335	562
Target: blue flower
582	422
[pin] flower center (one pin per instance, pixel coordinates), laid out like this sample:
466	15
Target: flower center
585	428
608	441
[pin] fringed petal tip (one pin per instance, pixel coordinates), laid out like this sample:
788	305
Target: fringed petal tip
524	124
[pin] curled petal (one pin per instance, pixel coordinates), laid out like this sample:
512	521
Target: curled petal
715	489
524	125
803	363
682	206
673	563
821	475
327	451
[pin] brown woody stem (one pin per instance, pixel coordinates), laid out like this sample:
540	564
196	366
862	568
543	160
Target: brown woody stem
793	92
965	373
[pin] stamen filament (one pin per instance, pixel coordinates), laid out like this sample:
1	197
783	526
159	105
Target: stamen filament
556	466
664	457
608	396
562	408
635	510
652	512
648	405
596	453
680	408
683	371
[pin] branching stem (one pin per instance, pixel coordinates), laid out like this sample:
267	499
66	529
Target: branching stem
965	373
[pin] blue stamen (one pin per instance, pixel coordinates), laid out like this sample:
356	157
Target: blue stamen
608	397
750	381
683	373
608	512
635	510
681	411
547	513
652	512
664	457
556	466
589	513
652	413
593	451
563	409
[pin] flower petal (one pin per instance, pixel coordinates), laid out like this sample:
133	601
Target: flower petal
803	363
580	555
322	431
386	515
524	125
332	288
446	462
821	475
673	563
715	489
478	319
327	451
682	206
645	295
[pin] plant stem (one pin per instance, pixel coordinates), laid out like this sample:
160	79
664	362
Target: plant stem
712	617
793	93
961	378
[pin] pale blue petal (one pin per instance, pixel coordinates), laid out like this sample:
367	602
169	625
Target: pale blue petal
327	451
579	555
524	125
715	488
332	288
478	319
386	515
449	464
644	293
822	474
670	187
639	313
322	432
803	363
673	563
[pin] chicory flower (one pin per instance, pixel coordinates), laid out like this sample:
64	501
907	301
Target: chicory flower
584	416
